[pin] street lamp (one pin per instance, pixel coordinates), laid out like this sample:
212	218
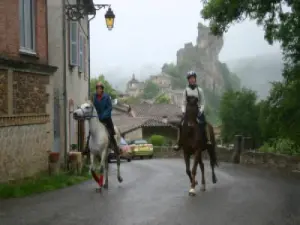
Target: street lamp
76	12
109	19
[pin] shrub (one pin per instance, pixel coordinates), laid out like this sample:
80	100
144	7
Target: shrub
157	140
281	146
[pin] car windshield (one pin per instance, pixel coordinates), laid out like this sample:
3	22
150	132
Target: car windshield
137	142
123	142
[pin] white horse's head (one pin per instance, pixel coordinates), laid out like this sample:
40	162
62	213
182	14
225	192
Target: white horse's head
85	111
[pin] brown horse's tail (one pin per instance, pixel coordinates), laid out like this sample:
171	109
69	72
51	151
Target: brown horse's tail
212	150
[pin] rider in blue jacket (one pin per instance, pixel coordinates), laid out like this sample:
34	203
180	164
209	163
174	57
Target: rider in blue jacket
193	90
102	103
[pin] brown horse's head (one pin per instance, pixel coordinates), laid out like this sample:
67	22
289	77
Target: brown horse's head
192	109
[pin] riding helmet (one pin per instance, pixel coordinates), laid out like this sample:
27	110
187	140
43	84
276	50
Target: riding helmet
191	73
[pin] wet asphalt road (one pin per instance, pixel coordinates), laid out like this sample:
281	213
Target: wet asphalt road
156	192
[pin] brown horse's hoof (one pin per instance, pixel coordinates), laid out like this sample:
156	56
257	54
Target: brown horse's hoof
214	180
192	192
120	179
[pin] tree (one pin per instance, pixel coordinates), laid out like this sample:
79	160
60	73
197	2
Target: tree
151	90
107	86
239	114
162	99
280	19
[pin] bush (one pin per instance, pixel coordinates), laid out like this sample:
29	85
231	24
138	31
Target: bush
157	140
281	146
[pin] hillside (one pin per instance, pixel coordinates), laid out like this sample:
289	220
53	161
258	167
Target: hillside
257	72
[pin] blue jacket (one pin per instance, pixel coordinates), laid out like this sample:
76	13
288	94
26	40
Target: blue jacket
103	106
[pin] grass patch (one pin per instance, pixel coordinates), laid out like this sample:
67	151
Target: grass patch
41	183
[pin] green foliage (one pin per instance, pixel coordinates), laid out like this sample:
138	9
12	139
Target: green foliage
279	115
239	114
151	90
41	183
107	86
157	140
281	146
162	99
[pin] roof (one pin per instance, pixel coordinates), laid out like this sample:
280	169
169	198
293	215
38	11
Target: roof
127	124
156	110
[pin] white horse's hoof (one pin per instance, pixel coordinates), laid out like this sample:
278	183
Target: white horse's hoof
192	192
203	188
99	189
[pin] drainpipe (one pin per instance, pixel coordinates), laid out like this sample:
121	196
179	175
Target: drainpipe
89	56
65	82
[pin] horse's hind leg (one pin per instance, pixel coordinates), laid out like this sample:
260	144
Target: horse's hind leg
106	174
120	179
201	164
213	163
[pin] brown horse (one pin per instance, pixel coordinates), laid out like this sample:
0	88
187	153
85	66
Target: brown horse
194	143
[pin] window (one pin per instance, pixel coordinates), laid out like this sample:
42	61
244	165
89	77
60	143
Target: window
27	25
80	53
73	43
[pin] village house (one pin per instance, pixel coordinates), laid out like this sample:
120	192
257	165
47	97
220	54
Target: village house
68	50
143	120
26	89
134	87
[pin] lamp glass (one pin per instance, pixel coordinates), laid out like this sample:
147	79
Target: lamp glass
110	23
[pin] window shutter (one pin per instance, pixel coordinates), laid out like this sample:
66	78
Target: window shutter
85	64
80	53
73	43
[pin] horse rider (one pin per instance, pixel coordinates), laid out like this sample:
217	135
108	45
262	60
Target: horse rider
103	106
193	90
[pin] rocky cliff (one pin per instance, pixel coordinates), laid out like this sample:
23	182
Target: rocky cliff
204	58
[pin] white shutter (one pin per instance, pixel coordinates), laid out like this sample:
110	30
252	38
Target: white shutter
73	43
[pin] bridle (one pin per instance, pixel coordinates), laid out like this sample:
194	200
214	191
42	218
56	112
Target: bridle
90	116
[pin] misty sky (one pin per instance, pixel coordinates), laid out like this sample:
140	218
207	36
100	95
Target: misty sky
148	33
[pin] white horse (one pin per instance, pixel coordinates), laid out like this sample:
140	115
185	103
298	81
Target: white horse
99	143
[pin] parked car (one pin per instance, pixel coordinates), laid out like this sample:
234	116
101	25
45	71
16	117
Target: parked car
141	148
126	152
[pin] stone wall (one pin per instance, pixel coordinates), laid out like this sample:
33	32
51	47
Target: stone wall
266	160
23	151
25	122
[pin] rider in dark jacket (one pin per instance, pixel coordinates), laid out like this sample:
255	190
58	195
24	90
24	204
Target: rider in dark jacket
102	103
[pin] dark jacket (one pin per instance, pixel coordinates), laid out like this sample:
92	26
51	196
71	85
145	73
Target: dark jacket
103	107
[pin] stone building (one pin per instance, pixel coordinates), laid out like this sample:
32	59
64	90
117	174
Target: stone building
134	87
163	81
26	89
69	51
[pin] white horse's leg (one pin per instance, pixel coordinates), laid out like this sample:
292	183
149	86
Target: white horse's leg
106	173
91	163
102	165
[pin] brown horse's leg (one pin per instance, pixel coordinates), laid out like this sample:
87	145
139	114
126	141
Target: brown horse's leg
201	164
212	154
194	173
187	165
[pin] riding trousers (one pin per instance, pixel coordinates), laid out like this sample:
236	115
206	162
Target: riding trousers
109	126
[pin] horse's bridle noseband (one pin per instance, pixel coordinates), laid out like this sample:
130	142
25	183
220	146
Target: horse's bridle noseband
89	116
